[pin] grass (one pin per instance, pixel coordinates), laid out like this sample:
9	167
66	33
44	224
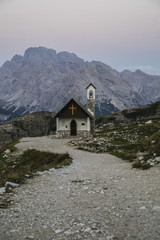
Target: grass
10	146
152	144
15	168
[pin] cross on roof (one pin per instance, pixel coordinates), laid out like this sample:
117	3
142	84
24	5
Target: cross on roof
72	108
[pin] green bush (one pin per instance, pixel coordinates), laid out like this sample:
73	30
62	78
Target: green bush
141	165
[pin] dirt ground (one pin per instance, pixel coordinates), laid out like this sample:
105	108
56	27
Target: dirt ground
98	197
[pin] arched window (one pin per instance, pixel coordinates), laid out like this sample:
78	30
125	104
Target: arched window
90	94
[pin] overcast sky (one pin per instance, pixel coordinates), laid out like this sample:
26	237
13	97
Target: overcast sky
125	34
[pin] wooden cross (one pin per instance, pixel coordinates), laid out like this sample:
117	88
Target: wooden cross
72	108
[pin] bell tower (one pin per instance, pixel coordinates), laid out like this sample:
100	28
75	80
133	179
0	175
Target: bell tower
91	98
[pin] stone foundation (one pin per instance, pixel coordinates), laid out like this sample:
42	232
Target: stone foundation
61	134
66	133
83	133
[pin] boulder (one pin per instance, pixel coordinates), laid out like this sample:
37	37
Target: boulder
32	125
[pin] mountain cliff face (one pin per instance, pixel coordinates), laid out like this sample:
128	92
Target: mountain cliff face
43	80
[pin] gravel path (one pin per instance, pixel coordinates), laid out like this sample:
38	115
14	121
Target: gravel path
98	197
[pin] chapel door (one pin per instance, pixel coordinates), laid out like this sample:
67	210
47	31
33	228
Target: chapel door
73	127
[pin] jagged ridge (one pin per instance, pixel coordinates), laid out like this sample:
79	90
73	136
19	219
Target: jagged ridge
43	80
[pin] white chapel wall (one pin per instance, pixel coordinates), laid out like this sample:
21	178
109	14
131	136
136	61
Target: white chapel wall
82	124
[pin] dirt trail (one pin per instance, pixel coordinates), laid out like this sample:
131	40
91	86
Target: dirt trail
98	197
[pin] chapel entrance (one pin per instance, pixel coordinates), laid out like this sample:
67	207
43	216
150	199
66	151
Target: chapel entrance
73	127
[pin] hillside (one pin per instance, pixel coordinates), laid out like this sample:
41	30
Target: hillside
31	125
131	115
43	80
132	134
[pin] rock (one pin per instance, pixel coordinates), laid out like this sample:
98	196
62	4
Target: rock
29	237
142	208
154	161
148	122
140	158
34	124
11	184
101	192
157	160
2	190
68	232
7	151
13	231
58	231
80	225
87	230
111	238
156	208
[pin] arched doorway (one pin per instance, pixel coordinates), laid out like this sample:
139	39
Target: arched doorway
73	127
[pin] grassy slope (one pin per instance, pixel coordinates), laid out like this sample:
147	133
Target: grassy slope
126	140
15	167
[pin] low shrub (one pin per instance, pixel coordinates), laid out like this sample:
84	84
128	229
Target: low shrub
141	165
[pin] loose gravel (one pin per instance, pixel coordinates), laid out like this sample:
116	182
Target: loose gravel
98	197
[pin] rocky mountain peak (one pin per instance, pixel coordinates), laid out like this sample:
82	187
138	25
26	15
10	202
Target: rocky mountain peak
39	55
17	59
140	73
66	56
44	80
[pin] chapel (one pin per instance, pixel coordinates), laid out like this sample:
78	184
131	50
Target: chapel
74	119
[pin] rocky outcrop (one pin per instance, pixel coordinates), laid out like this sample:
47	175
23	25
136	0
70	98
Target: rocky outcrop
32	125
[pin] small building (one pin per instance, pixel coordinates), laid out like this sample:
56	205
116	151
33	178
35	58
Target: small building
74	120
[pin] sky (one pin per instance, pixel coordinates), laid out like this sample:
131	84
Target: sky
124	34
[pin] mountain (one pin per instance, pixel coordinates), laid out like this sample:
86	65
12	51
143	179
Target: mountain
44	80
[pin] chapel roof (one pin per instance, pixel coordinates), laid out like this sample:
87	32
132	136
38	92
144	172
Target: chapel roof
91	84
79	104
